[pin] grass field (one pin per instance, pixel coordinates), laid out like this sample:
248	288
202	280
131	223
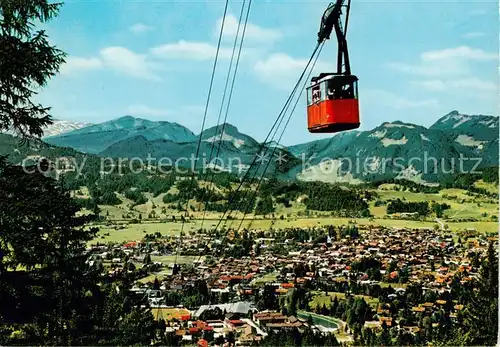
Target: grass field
132	232
462	205
151	277
271	277
319	299
490	187
393	285
169	314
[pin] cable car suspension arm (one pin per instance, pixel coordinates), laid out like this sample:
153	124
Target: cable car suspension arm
332	19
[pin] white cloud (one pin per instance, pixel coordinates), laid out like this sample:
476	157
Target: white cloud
391	100
470	84
190	50
446	62
252	31
144	110
140	28
452	71
77	64
473	35
282	70
128	62
435	68
462	52
434	85
474	84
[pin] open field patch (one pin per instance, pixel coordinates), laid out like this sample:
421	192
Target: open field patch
134	232
319	299
169	314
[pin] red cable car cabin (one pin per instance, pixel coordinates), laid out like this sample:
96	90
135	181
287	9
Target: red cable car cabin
332	103
332	98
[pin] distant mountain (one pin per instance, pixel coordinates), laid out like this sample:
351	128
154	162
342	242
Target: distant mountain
58	127
63	126
462	122
391	150
402	150
324	147
96	138
140	147
229	157
230	135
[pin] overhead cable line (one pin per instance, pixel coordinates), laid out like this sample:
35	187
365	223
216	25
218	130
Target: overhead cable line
280	115
279	140
278	121
263	155
249	201
204	120
229	98
268	148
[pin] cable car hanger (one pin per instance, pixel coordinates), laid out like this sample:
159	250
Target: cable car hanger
332	98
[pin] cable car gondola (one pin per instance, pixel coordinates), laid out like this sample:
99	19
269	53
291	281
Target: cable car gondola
332	98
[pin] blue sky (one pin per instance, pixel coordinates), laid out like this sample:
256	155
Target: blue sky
416	60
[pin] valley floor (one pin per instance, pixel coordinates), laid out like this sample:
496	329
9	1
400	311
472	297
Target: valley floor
127	222
121	231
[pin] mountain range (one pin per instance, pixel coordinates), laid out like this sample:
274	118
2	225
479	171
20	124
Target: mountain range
57	127
392	150
96	138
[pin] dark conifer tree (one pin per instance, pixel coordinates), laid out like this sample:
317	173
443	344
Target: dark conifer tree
27	61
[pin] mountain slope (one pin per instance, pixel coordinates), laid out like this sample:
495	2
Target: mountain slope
466	123
63	159
401	150
324	147
231	135
96	138
167	152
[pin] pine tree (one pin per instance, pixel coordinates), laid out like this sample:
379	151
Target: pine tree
56	299
27	62
41	232
481	314
156	284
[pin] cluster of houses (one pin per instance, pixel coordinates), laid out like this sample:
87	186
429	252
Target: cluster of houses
431	257
241	321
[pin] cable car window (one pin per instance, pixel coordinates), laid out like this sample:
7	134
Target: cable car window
330	91
323	91
309	96
316	94
347	92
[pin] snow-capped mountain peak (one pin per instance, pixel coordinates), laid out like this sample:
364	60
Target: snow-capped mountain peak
62	126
